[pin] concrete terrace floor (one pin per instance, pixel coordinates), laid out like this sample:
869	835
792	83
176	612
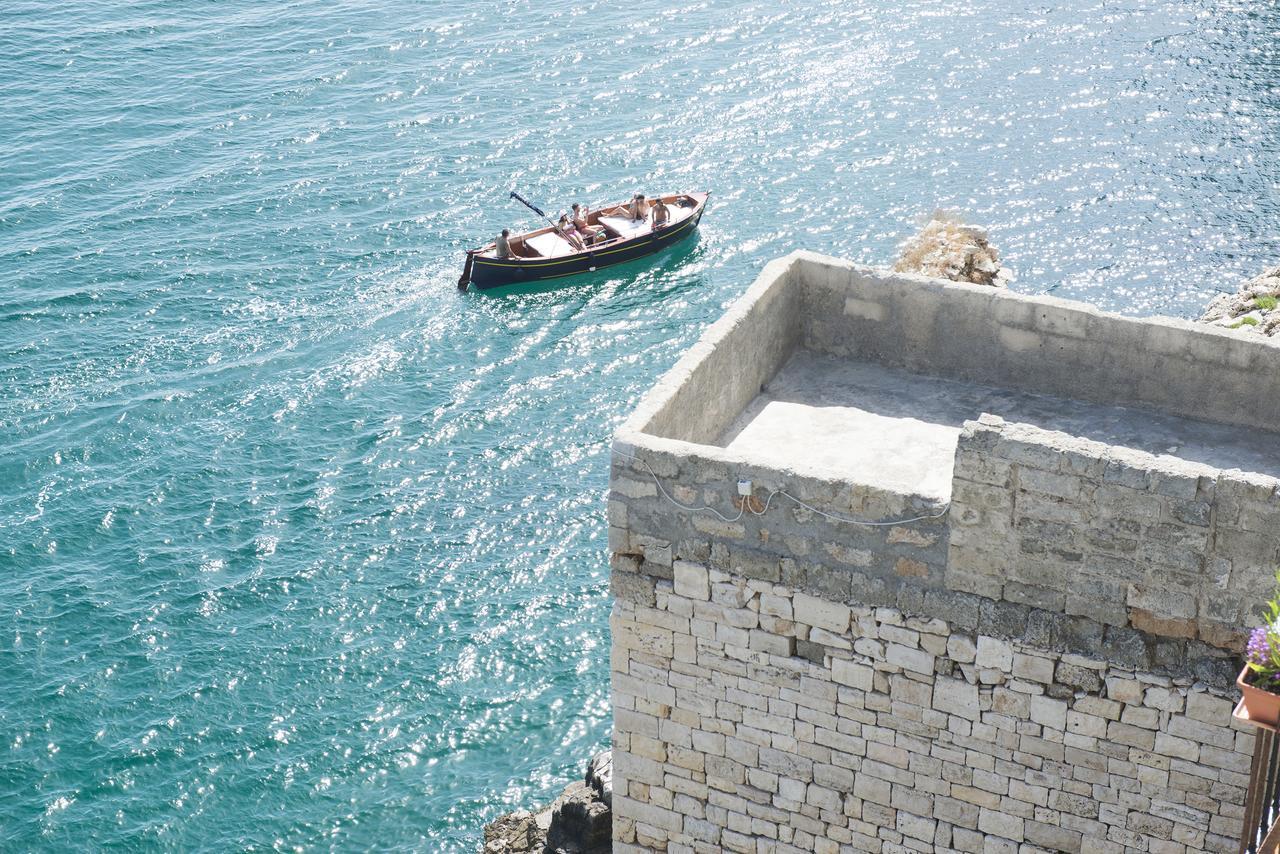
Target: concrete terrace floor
866	423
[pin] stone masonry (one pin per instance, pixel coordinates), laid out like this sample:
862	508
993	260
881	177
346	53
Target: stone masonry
1133	542
1038	658
899	733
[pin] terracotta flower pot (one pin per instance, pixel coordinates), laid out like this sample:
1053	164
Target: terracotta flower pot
1258	706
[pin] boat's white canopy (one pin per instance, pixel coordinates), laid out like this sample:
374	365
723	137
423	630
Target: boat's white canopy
550	245
626	227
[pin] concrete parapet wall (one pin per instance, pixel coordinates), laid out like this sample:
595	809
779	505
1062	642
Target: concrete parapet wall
1124	538
720	374
1037	343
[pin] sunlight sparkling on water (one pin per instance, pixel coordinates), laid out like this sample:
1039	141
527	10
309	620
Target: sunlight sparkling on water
301	548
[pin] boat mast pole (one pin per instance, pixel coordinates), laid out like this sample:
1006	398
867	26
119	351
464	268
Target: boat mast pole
554	226
522	200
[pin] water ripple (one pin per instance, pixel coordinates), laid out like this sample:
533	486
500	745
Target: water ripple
301	549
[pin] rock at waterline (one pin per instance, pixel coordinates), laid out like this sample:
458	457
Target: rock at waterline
580	821
946	248
600	775
1252	308
520	832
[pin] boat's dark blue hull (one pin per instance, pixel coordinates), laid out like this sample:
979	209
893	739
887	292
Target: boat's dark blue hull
489	273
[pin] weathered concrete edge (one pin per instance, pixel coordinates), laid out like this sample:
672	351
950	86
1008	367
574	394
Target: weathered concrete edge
646	456
760	334
1086	450
1041	344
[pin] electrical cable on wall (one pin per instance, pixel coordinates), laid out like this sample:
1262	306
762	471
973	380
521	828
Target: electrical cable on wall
769	501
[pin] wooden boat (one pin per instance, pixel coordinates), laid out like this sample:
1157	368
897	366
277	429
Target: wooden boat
547	254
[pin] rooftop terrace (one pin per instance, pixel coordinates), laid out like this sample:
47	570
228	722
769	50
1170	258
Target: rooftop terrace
840	371
1068	445
866	422
993	544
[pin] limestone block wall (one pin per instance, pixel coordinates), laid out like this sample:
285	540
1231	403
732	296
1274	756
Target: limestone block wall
783	682
1133	542
785	542
904	733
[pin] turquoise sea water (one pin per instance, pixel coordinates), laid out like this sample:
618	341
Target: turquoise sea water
300	548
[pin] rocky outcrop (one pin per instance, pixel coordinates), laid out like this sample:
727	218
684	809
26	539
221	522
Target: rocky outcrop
581	818
520	832
947	248
1253	308
600	776
580	821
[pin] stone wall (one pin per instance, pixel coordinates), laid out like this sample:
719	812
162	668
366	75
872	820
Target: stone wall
786	682
734	357
785	543
903	734
1043	664
1131	541
1036	343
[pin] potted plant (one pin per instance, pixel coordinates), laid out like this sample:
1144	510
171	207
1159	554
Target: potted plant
1259	681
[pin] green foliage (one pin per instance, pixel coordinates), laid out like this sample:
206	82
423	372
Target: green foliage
1265	303
1244	321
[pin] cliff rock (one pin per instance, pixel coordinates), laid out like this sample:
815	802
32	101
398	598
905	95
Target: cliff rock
1253	308
947	248
520	832
580	821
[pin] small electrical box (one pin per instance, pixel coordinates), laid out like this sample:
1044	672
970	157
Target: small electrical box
744	487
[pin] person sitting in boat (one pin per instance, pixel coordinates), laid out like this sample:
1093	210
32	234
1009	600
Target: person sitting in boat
633	209
503	245
569	232
661	215
590	233
638	210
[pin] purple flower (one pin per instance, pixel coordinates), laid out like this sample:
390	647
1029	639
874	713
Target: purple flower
1258	650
